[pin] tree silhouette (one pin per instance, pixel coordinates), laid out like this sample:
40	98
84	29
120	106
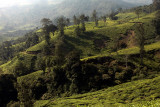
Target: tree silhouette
140	33
82	19
104	18
46	23
156	4
75	20
94	17
67	22
137	12
61	22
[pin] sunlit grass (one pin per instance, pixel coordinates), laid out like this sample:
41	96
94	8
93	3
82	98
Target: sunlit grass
132	94
29	77
128	51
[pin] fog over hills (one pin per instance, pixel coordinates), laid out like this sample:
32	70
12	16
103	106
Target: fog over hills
141	2
28	16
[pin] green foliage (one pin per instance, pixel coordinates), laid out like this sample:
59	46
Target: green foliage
95	17
8	91
20	69
156	4
60	51
77	31
156	22
61	22
138	93
65	74
137	12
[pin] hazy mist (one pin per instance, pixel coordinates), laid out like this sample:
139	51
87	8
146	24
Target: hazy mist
9	3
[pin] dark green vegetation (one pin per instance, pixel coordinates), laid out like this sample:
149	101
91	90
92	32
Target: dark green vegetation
132	94
57	61
7	90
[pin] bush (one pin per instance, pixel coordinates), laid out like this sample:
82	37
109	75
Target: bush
8	91
20	69
13	104
77	31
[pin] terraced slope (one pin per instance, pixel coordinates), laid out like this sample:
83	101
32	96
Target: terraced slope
102	35
137	93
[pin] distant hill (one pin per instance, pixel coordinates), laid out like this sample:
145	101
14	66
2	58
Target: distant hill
28	17
140	2
71	7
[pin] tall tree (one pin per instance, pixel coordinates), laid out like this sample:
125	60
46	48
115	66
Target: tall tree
82	19
95	17
67	22
104	18
35	39
78	21
60	51
61	22
113	16
156	4
45	23
120	10
156	22
116	44
140	33
75	20
86	18
6	50
8	91
137	12
73	70
77	31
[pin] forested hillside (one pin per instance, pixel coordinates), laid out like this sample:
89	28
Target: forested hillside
93	59
18	20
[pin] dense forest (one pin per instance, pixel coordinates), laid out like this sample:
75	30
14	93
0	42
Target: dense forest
82	57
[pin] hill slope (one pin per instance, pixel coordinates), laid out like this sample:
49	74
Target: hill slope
88	43
9	17
87	6
124	95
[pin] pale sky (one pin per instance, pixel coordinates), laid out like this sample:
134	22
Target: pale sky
8	3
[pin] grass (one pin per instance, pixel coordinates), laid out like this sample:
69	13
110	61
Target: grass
85	43
36	47
30	77
153	103
10	65
134	50
140	93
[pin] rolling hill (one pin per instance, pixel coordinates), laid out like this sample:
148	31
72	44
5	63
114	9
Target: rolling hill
28	17
131	94
100	75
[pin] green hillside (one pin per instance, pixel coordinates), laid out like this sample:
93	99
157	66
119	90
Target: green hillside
105	34
97	74
85	43
142	93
